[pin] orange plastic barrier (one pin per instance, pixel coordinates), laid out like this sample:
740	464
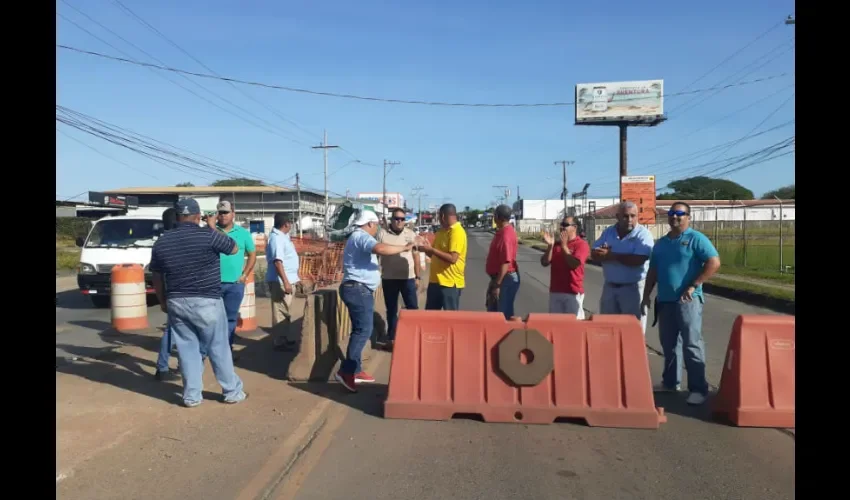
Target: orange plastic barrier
129	300
247	321
758	384
553	366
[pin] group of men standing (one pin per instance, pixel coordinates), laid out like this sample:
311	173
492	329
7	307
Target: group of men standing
199	275
633	263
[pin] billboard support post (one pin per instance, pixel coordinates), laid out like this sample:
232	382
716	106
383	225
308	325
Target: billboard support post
624	143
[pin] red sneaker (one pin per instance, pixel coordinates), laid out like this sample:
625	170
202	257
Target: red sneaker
363	378
346	380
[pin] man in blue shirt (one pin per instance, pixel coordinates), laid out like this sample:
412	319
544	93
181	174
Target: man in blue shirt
281	275
169	220
188	258
361	278
623	250
681	262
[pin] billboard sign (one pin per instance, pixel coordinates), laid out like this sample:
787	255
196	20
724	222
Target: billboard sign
638	101
115	201
393	199
640	190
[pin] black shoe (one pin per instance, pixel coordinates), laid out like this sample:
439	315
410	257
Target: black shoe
165	376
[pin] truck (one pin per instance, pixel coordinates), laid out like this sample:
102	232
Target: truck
125	239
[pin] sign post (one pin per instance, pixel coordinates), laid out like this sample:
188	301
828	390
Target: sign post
640	190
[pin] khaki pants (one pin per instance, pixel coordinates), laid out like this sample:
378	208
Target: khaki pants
281	315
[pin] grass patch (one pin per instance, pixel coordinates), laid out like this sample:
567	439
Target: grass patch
756	288
762	274
67	259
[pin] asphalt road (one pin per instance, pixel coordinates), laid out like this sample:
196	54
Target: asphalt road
79	324
362	455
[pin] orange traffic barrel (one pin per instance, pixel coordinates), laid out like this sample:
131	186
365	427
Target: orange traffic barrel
448	363
758	383
129	299
247	321
260	242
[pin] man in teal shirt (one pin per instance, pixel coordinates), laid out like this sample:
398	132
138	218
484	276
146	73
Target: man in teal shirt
235	270
681	262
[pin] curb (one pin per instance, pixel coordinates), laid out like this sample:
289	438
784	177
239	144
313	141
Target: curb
750	298
289	454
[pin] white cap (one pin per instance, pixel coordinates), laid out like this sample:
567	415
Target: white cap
365	217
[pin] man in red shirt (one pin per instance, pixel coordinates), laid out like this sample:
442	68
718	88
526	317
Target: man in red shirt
501	265
567	256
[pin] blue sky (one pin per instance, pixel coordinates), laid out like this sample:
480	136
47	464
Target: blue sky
472	51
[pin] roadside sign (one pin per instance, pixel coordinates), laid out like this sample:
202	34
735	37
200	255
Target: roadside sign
640	190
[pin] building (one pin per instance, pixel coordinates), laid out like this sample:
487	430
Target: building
548	210
255	205
720	210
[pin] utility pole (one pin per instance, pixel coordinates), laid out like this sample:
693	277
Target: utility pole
391	164
506	192
414	193
325	147
298	189
564	164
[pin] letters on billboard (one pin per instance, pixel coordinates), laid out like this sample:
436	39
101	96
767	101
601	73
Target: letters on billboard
638	101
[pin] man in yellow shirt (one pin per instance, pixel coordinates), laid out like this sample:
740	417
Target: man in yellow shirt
448	262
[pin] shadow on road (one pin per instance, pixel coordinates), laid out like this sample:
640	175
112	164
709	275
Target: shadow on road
369	398
109	365
73	299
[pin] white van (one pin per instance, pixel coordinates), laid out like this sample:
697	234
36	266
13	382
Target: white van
126	239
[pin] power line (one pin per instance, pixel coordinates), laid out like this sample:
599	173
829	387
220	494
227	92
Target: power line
389	100
269	108
151	66
69	136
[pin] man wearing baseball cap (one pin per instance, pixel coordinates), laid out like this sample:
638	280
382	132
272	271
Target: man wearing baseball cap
235	269
361	278
188	258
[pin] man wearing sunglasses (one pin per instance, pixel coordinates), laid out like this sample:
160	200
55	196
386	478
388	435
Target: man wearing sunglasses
567	254
400	273
623	249
681	262
235	269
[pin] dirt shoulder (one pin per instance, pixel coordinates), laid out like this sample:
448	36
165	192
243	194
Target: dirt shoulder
119	430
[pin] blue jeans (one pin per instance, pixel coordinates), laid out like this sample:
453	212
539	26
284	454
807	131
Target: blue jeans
165	349
199	324
231	294
442	297
507	296
361	308
680	329
392	288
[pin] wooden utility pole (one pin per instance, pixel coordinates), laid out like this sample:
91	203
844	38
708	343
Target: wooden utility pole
391	164
298	189
564	164
325	147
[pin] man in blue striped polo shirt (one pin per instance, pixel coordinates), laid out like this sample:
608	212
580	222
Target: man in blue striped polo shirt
188	257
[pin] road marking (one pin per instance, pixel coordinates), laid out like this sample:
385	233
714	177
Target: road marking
285	471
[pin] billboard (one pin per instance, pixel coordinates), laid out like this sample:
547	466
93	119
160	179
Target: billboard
115	201
393	199
640	190
638	101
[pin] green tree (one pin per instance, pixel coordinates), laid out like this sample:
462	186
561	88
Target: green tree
706	188
185	185
237	181
783	193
